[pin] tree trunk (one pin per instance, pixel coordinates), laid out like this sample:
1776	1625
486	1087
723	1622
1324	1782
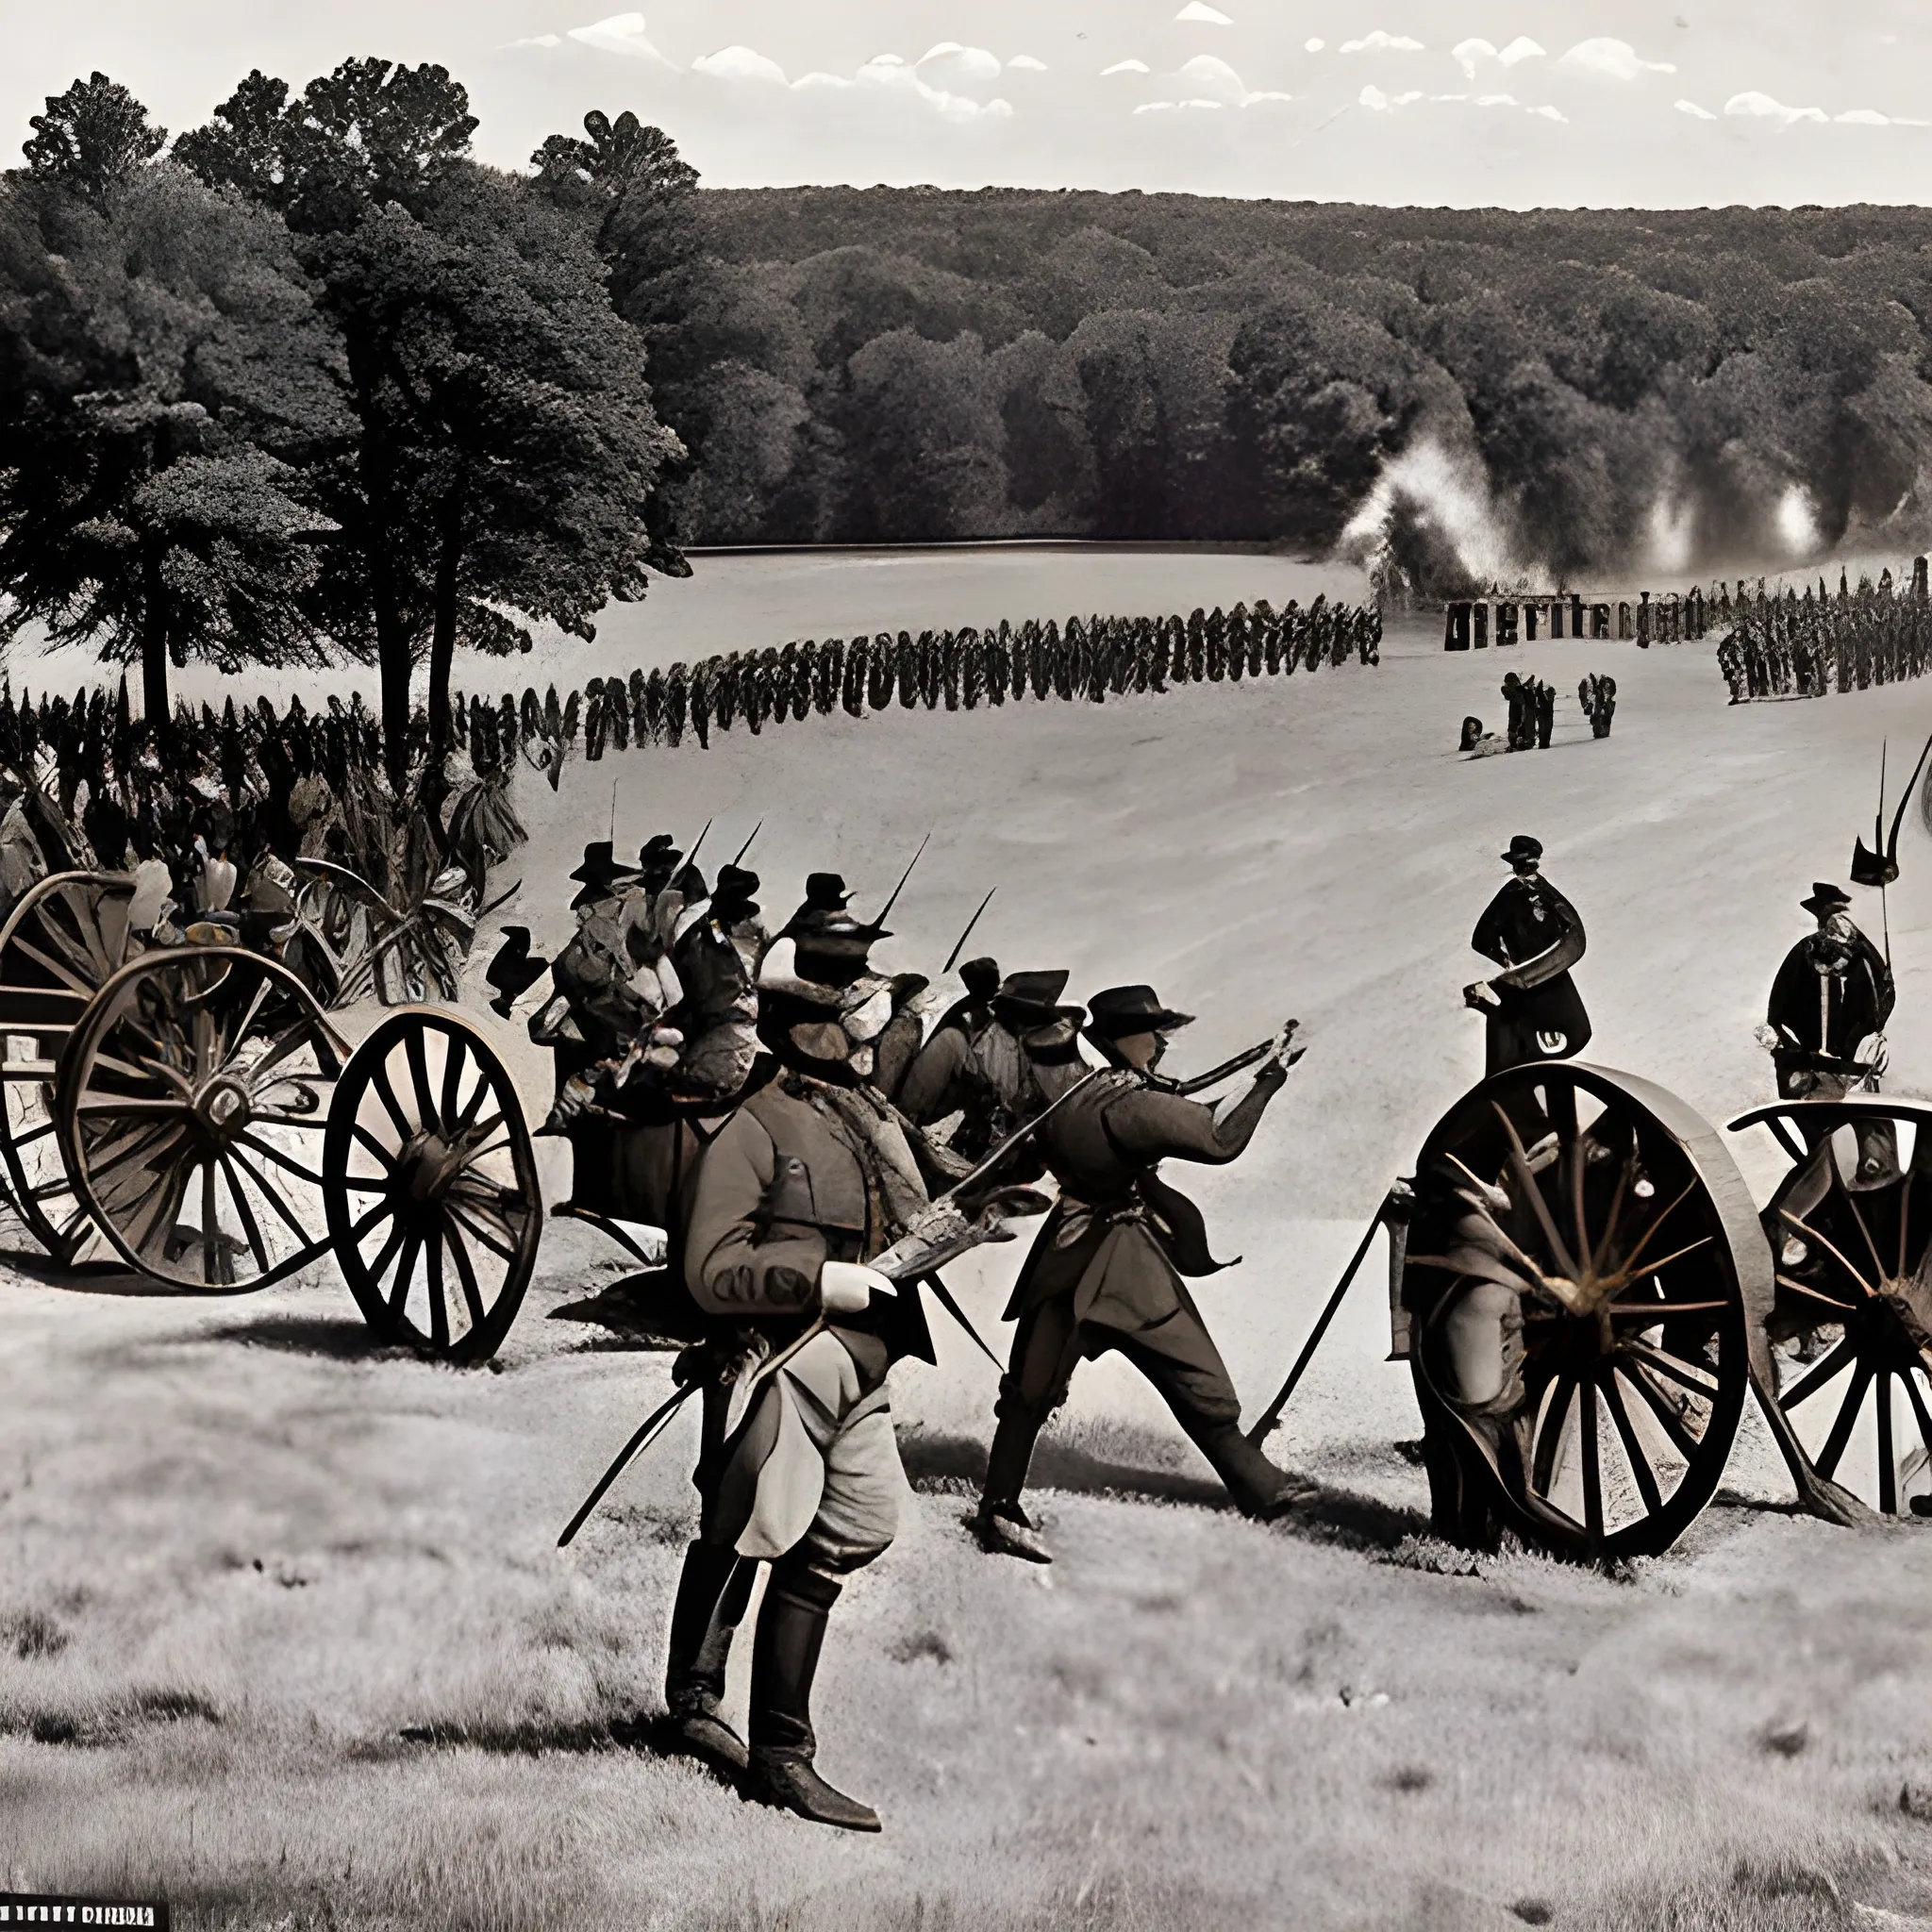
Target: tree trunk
442	636
153	644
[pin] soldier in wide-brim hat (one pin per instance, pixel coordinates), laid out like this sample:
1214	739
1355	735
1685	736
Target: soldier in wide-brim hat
1106	1271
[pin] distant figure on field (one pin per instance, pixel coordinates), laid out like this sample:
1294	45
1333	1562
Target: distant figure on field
1479	743
1531	1009
1544	702
1597	695
1521	729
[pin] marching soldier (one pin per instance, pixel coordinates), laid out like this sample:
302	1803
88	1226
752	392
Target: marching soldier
1105	1271
1531	1009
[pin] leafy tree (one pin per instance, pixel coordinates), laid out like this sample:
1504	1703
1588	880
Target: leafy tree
91	139
162	372
505	449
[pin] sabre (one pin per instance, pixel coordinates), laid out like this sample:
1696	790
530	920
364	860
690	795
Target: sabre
746	847
968	933
658	1418
886	910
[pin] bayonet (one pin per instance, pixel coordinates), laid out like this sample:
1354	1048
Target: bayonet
746	847
968	933
884	911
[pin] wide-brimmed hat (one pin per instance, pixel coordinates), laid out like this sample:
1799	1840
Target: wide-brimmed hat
1029	999
1523	846
980	977
824	891
731	897
1826	899
598	874
659	854
1118	1012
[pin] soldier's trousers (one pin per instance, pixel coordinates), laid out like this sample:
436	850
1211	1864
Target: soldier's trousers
1178	1355
813	1466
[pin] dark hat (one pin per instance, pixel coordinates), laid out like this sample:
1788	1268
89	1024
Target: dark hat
981	977
731	897
824	891
659	845
597	875
1826	899
1028	999
1121	1011
1523	846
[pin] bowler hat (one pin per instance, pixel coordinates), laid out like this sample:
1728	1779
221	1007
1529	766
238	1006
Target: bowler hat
824	891
1523	846
1121	1011
1826	899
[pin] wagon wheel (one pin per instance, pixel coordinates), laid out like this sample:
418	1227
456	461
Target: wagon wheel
1612	1216
1851	1228
191	1104
63	940
431	1186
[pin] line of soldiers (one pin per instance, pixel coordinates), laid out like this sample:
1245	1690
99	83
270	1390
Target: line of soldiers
1089	659
776	1103
1791	646
1532	703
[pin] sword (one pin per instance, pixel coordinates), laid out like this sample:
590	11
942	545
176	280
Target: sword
658	1418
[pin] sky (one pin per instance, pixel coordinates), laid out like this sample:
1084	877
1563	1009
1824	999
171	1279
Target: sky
1462	103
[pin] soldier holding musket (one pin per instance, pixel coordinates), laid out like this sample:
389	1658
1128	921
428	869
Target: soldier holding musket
1106	1269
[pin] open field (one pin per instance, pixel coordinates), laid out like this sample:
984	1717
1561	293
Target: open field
286	1637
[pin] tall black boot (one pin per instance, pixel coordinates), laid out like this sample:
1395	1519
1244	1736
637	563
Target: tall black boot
999	1522
784	1661
711	1596
1259	1487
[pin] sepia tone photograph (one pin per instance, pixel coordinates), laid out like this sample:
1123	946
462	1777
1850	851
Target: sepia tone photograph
797	1133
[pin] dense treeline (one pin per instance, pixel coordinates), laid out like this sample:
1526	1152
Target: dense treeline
888	364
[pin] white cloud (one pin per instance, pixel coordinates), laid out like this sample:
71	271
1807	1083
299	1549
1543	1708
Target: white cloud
622	33
537	41
1028	63
1864	117
1497	101
1207	16
962	63
1612	60
1551	114
888	72
1315	47
740	63
1264	94
1380	42
1762	107
1373	97
1126	67
1695	113
818	80
1156	107
1467	53
1205	103
1214	77
1522	48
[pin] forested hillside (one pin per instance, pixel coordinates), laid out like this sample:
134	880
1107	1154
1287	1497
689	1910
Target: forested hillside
1628	385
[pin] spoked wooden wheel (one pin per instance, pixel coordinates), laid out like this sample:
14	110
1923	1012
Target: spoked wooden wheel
1851	1230
60	945
432	1181
191	1105
1607	1219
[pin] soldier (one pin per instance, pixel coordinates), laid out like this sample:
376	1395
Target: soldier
1824	1027
979	1065
1105	1272
1520	728
715	960
592	973
1531	1011
808	1180
1543	710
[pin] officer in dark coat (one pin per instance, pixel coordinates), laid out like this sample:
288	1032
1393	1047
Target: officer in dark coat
1105	1270
1531	1009
1829	1004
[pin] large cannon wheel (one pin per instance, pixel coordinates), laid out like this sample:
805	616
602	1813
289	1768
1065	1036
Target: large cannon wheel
64	939
1607	1218
1851	1229
191	1105
431	1186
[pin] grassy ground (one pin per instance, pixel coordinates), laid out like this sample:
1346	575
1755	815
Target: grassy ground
284	1634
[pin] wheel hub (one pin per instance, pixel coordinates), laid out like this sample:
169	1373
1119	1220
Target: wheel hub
225	1107
427	1168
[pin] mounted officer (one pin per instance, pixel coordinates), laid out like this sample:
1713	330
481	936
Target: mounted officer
1531	1009
1106	1269
810	1178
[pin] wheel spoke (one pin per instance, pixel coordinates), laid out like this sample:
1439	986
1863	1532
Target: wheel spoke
454	1052
406	1269
1887	1468
466	1273
1634	1454
379	1079
210	1246
274	1199
501	1249
1592	1469
1669	1416
1699	1381
415	1054
88	1105
1549	1435
1818	1374
250	1138
247	1217
438	1308
1851	1200
1920	1413
1828	1457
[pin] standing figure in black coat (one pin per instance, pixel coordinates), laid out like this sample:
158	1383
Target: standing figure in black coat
1543	704
1531	1009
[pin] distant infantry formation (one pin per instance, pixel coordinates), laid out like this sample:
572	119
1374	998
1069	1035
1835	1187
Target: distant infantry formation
1810	646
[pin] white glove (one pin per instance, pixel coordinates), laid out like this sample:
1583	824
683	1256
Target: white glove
1480	995
846	1286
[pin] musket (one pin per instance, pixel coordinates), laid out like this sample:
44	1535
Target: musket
968	933
746	847
884	911
691	857
1214	1075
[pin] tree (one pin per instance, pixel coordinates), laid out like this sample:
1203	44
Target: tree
91	139
505	449
163	373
